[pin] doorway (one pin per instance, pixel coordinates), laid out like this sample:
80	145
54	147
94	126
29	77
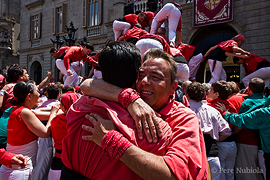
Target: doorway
209	36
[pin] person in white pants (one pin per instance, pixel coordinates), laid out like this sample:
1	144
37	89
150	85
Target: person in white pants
220	52
263	73
122	25
172	12
75	67
255	67
74	54
58	55
68	80
215	63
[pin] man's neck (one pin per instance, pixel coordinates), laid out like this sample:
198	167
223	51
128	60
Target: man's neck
250	93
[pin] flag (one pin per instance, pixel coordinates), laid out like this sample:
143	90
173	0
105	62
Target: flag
212	11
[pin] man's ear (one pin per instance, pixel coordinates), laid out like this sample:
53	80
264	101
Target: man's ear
20	77
174	86
29	96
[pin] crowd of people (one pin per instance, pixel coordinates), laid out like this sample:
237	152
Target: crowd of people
141	115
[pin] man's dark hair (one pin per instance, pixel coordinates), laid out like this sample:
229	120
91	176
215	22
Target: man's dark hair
67	88
119	63
266	91
138	12
14	72
196	91
53	50
89	46
234	87
236	39
161	30
256	85
223	88
157	53
53	91
138	26
141	14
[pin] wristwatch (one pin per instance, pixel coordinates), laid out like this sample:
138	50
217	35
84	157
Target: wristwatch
2	92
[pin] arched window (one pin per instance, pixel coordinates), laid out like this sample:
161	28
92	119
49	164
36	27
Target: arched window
36	72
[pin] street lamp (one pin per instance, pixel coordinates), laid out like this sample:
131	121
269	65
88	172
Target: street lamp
70	41
58	42
84	42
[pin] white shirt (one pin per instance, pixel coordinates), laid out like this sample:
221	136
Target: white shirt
211	120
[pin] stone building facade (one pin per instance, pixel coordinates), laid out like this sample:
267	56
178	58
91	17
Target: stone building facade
9	32
41	21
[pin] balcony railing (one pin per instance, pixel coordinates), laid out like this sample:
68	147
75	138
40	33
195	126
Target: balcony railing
95	31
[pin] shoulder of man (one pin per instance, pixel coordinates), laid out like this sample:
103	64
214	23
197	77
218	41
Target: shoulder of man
180	108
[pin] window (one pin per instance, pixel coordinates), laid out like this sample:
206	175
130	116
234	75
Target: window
92	13
59	19
35	27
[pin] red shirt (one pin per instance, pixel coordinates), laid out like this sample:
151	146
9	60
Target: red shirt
7	97
175	52
96	165
186	155
132	19
227	45
250	64
183	131
149	15
237	100
5	157
245	136
187	50
59	131
165	37
17	131
227	104
75	54
135	32
62	50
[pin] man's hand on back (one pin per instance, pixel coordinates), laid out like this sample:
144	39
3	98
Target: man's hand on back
145	119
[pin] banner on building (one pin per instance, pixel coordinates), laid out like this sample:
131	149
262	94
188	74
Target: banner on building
212	11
